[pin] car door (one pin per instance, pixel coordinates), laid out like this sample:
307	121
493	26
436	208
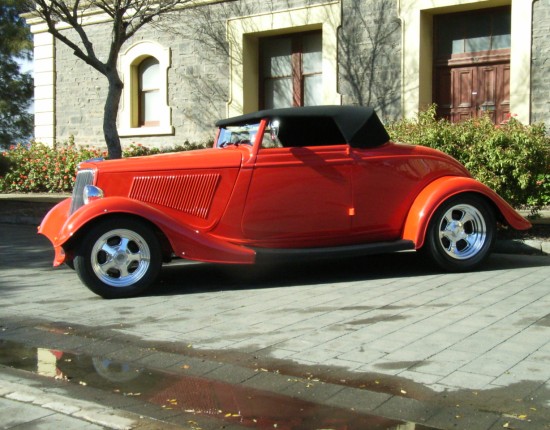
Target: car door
299	196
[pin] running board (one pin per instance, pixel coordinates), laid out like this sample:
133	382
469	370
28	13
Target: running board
269	255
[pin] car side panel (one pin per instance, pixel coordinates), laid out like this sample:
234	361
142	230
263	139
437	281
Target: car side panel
299	196
440	190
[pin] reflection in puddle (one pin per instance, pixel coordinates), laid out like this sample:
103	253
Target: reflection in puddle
199	396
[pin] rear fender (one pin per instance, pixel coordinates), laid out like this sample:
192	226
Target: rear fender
440	190
185	242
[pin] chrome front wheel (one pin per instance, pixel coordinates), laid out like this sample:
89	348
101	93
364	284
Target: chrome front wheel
119	258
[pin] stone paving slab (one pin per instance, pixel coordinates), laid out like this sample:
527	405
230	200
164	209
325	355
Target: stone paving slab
384	318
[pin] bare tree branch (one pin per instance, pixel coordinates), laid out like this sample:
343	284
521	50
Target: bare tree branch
366	43
127	17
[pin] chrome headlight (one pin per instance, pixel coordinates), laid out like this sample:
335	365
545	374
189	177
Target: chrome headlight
91	193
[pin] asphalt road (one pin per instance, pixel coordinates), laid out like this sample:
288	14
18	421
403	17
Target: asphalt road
382	336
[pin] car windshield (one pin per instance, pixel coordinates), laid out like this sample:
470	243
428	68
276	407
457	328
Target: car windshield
244	134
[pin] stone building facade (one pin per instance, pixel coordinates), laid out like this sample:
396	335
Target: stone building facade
225	58
540	69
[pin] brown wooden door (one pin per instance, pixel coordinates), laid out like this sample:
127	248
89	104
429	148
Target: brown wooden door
468	91
472	64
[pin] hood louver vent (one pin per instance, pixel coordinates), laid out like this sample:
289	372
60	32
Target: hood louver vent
191	194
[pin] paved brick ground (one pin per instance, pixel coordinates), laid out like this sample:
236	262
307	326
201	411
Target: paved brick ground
481	339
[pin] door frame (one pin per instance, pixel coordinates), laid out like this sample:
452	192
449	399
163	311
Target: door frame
417	51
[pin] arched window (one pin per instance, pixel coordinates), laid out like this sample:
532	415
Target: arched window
149	92
144	105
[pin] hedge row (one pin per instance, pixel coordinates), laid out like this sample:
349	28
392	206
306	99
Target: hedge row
42	168
511	158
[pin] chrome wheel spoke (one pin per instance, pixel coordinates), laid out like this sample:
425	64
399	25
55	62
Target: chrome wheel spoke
468	218
108	266
108	250
123	270
123	245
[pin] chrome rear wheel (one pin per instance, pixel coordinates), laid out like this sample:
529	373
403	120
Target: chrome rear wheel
461	233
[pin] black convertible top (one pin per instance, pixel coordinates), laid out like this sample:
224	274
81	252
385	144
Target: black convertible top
358	126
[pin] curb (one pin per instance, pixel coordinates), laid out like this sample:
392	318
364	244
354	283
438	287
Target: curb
525	247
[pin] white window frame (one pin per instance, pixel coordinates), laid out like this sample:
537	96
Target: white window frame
243	36
129	110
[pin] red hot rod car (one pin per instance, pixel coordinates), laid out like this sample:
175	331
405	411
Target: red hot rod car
296	182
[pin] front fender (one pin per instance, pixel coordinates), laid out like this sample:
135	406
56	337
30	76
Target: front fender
441	189
186	242
52	225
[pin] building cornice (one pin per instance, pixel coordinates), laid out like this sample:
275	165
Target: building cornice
91	16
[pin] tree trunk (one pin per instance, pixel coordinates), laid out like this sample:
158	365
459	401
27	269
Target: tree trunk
110	113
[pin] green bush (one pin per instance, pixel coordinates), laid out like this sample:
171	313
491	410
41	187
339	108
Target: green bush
137	149
43	168
511	158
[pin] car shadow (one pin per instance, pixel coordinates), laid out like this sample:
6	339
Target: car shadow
191	278
23	251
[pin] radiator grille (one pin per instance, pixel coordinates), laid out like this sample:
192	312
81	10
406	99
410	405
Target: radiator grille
192	194
83	178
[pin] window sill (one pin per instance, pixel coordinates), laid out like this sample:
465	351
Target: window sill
146	131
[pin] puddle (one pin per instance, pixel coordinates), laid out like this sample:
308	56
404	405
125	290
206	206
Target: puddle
196	396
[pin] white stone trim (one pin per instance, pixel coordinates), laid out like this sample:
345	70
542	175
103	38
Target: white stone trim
128	114
44	88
